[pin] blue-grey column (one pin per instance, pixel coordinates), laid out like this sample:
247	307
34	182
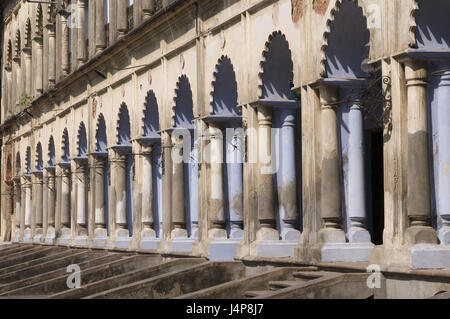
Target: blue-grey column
217	195
442	98
287	184
193	187
356	184
234	159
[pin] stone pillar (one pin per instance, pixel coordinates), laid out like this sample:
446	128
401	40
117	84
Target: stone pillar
122	22
287	188
80	178
178	192
331	177
266	198
38	205
148	7
51	54
147	193
19	89
27	192
18	208
234	158
51	200
418	198
356	183
216	203
28	72
65	53
65	197
99	180
100	32
22	207
38	78
81	46
119	166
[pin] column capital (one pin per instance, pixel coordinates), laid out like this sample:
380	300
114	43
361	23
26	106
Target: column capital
416	72
328	96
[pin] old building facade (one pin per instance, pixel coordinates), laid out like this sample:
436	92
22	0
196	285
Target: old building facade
315	130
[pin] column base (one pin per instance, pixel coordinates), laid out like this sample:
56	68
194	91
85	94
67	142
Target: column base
149	243
331	235
236	233
50	237
123	239
359	235
420	235
444	235
100	238
37	239
27	237
81	241
291	234
346	252
223	249
180	241
64	239
429	256
273	248
16	237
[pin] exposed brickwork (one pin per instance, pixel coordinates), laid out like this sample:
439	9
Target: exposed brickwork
297	10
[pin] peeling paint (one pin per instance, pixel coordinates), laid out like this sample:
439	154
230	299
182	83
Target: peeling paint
297	10
320	6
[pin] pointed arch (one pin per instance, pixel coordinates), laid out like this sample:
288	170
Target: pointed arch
51	152
9	169
9	57
342	55
39	162
28	161
429	27
276	68
100	135
17	43
28	35
39	27
150	119
65	150
123	125
182	110
18	164
224	94
82	140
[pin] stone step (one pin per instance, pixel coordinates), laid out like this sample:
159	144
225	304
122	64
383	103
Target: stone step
29	255
177	283
39	275
5	273
89	275
46	264
127	278
310	275
7	248
254	293
14	250
275	285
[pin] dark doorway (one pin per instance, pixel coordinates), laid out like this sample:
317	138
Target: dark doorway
377	186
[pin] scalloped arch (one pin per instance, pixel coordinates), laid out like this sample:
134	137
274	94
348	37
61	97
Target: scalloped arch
28	33
326	34
39	21
150	114
17	43
82	140
101	141
123	129
38	157
223	61
264	60
183	80
65	147
28	160
51	152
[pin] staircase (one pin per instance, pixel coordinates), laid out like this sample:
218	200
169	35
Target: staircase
38	271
